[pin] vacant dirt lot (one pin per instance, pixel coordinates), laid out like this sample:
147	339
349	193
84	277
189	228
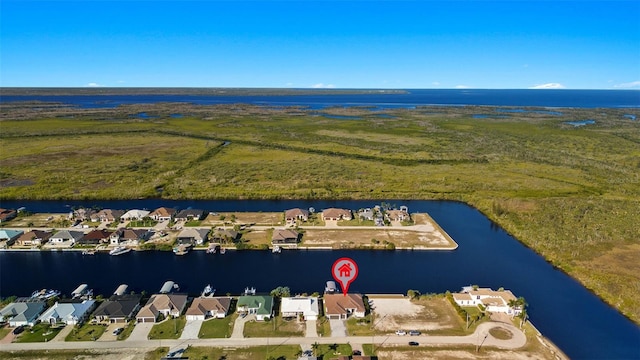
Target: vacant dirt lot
241	218
433	353
424	315
421	237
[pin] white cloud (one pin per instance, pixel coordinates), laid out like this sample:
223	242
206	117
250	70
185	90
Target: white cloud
548	86
462	86
323	86
629	85
92	84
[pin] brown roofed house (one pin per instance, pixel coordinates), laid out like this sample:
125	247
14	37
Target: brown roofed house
163	214
397	215
292	215
286	237
7	214
34	238
165	304
341	306
336	214
95	237
107	216
206	307
129	235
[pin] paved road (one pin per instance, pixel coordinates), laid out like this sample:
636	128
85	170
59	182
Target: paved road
481	336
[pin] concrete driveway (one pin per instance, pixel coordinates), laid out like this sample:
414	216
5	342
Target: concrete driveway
312	331
108	334
140	332
238	327
338	328
191	329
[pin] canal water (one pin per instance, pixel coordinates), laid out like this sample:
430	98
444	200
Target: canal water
562	309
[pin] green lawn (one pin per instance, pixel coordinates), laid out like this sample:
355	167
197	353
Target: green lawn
87	332
361	327
276	327
4	331
127	330
323	327
217	328
168	329
274	351
56	354
329	351
38	333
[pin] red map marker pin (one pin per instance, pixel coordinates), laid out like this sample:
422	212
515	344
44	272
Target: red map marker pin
344	270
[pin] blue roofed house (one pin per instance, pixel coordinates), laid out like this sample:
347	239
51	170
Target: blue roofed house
70	313
9	236
22	313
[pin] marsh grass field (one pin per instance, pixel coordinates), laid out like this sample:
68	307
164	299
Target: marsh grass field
571	193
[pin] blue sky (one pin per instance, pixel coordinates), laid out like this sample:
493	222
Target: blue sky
342	44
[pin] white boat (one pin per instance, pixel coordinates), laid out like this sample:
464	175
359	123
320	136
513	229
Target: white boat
119	250
208	291
181	250
45	294
276	249
211	249
223	250
88	252
249	291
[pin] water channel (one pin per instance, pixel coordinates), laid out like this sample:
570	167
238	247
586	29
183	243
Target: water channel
563	310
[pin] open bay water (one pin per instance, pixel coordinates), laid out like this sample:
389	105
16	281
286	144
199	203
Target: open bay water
413	98
562	309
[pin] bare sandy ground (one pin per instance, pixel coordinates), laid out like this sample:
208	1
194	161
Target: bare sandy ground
402	314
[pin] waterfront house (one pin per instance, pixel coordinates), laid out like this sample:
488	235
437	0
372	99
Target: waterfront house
34	238
165	304
81	214
494	301
162	214
107	216
22	313
70	313
7	214
129	236
10	236
261	306
222	236
336	214
285	237
190	214
118	308
307	307
192	236
95	237
292	215
208	307
366	214
341	306
135	214
66	237
397	215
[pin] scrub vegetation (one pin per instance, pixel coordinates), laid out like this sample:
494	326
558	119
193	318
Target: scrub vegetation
568	192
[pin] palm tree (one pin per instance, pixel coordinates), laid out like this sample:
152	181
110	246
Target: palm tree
315	346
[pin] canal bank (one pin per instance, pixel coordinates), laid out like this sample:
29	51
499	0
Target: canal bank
487	256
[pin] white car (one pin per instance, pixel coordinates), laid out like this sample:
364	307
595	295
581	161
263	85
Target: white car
401	332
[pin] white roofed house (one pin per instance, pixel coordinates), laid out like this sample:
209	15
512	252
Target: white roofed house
306	307
135	214
501	301
66	237
70	313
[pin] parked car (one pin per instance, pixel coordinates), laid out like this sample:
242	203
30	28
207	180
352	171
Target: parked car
18	330
401	332
414	333
413	343
357	352
118	331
